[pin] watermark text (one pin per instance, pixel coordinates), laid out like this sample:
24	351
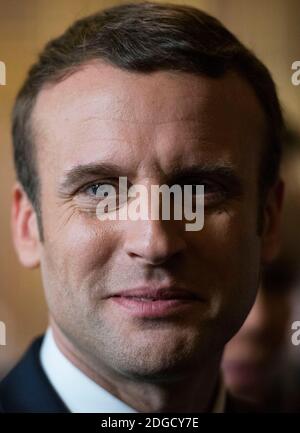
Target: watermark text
2	74
296	75
2	334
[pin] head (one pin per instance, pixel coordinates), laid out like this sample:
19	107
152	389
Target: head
253	357
162	94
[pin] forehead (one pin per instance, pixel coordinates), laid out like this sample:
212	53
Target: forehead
104	113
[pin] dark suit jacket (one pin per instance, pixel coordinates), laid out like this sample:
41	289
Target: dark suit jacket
27	389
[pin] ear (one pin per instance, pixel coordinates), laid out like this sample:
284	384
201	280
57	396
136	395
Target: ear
25	228
272	222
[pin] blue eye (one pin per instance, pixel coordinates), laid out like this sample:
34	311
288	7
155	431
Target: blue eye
101	190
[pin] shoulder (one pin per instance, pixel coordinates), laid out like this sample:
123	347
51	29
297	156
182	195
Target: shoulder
26	388
1	408
237	405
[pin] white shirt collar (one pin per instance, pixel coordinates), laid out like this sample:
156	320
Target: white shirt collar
81	394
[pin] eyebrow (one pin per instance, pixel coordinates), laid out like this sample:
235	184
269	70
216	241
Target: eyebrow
82	173
85	172
224	172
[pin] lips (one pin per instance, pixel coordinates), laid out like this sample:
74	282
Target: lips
154	302
246	373
148	293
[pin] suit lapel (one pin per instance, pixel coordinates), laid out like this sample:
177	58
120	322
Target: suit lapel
27	388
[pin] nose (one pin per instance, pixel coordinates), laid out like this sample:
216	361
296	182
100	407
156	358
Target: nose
258	318
154	242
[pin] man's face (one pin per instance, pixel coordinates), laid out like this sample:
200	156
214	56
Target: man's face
253	357
153	128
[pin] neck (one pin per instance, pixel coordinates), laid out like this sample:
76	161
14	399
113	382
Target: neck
194	391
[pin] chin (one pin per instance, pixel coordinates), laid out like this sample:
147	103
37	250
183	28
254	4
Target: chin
157	373
166	363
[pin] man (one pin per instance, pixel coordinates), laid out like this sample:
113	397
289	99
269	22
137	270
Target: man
253	363
140	311
256	362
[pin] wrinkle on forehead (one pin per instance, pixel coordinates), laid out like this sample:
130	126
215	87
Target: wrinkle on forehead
146	106
102	86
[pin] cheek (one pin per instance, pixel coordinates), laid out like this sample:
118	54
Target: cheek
77	249
230	243
228	252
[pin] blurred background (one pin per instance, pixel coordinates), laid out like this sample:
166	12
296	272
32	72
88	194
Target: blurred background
269	27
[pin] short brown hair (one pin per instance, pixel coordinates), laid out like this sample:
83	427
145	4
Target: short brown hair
145	37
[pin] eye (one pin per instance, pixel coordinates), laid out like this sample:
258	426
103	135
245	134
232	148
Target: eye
114	193
101	190
210	187
213	192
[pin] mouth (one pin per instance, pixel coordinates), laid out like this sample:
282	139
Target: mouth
245	373
155	302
